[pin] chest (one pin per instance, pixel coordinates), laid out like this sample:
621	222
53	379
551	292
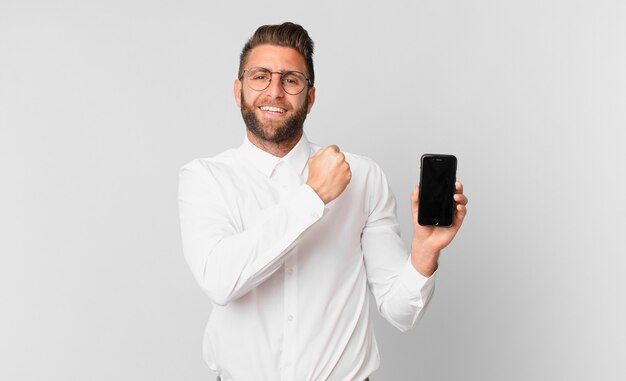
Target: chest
343	219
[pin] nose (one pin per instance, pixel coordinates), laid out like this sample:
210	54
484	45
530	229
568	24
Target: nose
275	89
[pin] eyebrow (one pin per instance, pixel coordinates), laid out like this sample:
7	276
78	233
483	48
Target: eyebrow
279	71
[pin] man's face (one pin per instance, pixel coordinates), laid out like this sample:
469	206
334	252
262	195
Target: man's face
272	115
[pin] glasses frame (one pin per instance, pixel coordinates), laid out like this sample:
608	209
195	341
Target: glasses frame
271	73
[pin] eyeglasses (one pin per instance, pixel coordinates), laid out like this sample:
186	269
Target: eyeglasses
259	79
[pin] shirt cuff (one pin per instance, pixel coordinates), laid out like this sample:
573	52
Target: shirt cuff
305	202
416	284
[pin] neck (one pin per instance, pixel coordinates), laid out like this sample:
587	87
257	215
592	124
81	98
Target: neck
278	149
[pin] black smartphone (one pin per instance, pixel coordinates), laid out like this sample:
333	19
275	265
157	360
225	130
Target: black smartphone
437	178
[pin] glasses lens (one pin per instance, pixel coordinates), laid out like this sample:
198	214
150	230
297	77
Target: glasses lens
258	78
293	82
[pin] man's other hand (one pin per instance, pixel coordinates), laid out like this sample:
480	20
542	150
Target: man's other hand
428	241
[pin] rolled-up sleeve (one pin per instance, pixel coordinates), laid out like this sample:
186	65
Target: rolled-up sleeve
401	293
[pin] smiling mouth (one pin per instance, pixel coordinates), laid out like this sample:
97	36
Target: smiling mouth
273	109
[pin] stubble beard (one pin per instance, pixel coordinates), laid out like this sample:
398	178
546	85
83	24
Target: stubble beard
288	131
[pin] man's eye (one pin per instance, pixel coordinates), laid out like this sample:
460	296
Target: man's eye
291	80
260	77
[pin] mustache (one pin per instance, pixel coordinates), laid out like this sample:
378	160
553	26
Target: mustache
282	105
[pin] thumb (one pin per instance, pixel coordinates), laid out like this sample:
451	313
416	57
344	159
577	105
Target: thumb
415	201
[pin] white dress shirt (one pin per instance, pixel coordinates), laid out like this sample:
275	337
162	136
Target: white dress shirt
288	276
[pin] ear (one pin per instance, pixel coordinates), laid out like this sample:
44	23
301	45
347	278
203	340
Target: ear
237	92
311	99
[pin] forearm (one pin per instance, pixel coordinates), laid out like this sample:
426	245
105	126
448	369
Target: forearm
230	250
401	292
228	266
407	298
424	258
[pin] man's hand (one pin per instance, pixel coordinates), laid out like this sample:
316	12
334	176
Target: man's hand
428	241
329	173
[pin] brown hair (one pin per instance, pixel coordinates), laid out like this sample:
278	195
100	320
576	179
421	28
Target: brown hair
286	34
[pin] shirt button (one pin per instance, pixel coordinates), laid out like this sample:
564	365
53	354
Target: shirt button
290	317
290	271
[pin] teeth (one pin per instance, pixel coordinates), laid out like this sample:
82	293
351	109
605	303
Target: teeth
273	109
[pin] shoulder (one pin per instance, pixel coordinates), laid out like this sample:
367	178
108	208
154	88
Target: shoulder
356	161
227	158
362	164
222	163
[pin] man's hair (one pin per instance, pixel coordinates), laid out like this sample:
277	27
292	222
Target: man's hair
286	34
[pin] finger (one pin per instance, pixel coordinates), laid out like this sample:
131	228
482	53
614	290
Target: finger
458	187
345	167
460	199
416	193
333	147
461	212
415	196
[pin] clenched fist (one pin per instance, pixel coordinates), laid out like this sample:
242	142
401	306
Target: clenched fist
329	173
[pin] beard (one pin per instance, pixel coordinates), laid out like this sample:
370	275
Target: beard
270	132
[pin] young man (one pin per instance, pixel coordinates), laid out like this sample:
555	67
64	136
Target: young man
285	236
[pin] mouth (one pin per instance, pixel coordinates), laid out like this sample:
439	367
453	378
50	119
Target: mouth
272	110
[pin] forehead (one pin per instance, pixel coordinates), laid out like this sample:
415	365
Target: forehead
276	58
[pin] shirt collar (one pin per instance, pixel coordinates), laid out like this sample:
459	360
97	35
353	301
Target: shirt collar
265	162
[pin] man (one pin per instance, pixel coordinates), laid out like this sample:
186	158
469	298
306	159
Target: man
285	236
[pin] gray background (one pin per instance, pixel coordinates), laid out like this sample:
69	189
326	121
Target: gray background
102	102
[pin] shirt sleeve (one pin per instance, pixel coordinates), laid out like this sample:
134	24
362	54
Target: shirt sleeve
401	293
227	261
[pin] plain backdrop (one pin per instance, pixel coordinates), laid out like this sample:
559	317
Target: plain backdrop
101	102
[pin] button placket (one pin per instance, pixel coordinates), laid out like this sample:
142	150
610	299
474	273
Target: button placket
290	313
285	181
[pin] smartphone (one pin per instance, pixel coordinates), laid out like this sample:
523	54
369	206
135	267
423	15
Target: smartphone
436	201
